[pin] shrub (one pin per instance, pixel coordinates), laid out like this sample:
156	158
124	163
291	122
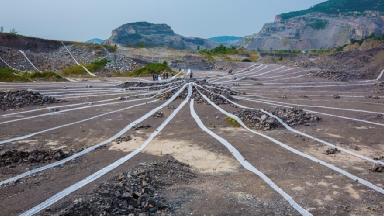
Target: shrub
149	69
44	76
74	70
10	75
232	122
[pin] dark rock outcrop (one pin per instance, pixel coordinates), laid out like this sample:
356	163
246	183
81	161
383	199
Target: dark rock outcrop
143	34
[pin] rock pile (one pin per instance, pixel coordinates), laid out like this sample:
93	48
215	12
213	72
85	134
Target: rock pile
137	192
123	139
20	98
331	151
292	116
12	157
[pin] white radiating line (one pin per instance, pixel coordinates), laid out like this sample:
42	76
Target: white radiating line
324	107
67	110
30	62
380	75
244	74
53	128
60	106
81	153
60	195
91	148
85	103
240	72
90	73
296	131
314	86
237	155
311	100
311	111
297	152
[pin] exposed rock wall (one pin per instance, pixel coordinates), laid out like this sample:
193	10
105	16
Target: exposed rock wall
315	31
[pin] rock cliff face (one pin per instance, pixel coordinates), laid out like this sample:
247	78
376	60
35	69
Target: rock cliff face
330	24
143	34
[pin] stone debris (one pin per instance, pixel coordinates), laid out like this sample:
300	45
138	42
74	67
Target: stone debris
336	96
123	139
136	192
13	157
158	115
14	99
142	127
378	168
292	116
331	151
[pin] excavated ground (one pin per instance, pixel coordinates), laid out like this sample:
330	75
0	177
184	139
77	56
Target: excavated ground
185	171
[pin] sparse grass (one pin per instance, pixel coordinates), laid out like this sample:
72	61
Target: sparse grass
74	70
149	69
78	71
44	76
10	75
229	54
97	65
232	122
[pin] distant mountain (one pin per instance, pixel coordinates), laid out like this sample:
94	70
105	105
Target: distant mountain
226	40
329	24
95	41
144	34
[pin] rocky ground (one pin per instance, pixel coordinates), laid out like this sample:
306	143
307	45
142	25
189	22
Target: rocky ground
134	157
136	192
292	116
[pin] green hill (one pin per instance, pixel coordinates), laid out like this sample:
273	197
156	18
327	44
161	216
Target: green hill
339	6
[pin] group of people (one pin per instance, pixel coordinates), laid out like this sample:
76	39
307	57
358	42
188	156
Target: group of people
156	77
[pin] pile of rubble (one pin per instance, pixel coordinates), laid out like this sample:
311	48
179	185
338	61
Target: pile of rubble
20	98
137	192
13	157
256	119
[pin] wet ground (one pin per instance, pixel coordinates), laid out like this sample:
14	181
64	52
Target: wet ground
103	124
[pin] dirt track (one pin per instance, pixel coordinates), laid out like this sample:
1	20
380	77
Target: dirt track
342	184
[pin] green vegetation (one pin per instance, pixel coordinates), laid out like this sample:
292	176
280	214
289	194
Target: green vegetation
149	69
226	52
43	76
221	50
339	6
10	75
318	24
76	70
232	122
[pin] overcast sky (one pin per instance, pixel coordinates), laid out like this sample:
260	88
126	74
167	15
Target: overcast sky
80	20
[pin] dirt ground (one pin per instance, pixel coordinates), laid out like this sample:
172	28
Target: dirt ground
347	182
